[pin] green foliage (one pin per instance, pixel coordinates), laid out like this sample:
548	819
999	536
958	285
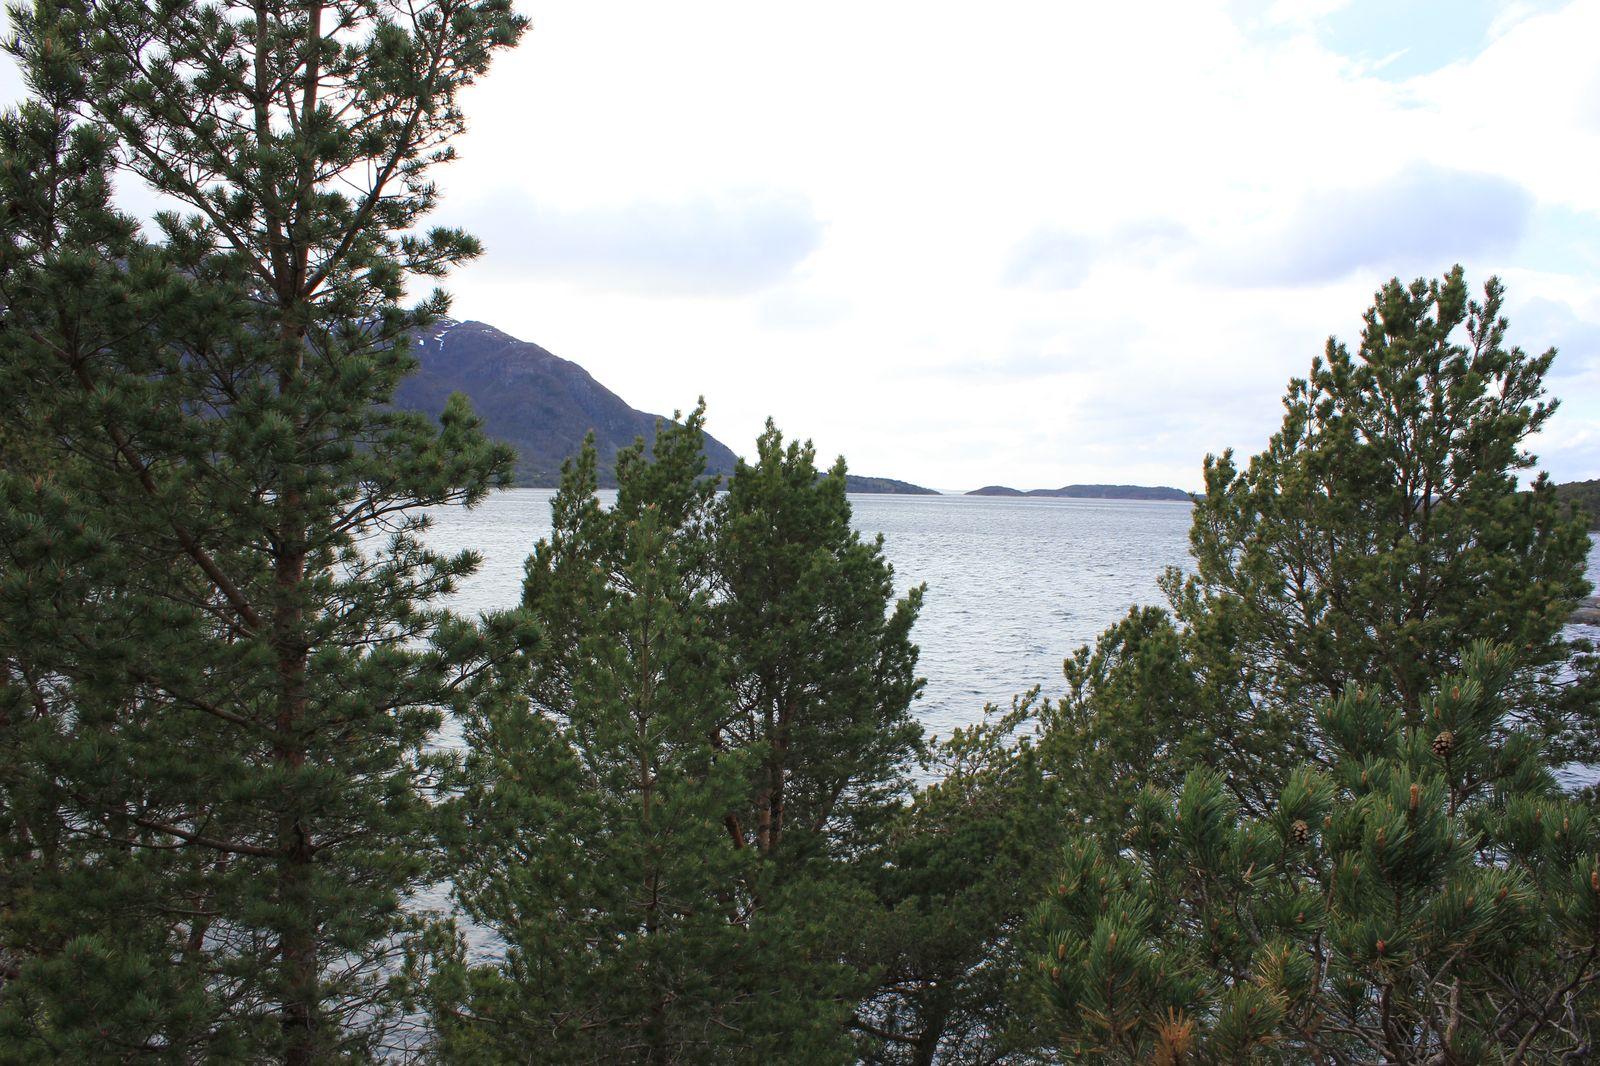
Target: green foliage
704	717
1379	533
1115	725
681	827
218	664
963	867
824	679
1292	849
1425	895
1382	530
594	841
1582	497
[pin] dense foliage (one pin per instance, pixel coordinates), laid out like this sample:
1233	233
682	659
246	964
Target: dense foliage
1381	531
1584	496
1316	821
1303	813
220	663
1379	534
710	723
1424	895
961	871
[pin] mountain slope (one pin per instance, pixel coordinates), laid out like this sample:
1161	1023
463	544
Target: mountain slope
539	403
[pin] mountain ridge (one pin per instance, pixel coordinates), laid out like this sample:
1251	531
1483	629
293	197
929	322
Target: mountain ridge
536	401
544	405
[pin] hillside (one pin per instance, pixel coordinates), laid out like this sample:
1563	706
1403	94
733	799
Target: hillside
1585	494
544	405
539	403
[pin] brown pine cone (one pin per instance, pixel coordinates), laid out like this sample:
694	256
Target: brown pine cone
1444	744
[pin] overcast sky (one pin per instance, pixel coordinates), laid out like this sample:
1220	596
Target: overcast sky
1026	243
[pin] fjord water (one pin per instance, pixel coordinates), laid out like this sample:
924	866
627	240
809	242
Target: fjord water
1013	585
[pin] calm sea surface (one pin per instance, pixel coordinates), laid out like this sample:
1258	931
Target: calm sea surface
1014	586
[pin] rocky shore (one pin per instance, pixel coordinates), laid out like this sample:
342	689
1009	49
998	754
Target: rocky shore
1587	612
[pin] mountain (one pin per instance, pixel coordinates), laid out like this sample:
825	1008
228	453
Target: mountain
543	405
539	403
1091	492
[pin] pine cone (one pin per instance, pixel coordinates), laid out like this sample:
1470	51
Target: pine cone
1444	744
1302	832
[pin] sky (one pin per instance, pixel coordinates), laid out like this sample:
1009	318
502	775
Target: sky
1026	243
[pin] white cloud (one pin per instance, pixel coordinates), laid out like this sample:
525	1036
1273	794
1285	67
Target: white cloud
1570	445
1417	221
801	307
701	245
1021	242
1508	17
1051	259
1302	12
1526	107
1054	258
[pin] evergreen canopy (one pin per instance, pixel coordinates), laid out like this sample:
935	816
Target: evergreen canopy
700	727
220	656
1380	533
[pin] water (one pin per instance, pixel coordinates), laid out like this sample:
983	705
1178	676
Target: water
1014	586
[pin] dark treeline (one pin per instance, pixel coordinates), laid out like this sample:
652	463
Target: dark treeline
1302	812
1584	496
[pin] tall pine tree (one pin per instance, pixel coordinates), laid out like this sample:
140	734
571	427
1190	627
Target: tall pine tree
702	721
1380	532
1383	530
221	665
824	676
594	843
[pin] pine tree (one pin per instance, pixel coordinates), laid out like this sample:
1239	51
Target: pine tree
1116	728
594	841
1380	532
609	830
825	677
1428	896
221	665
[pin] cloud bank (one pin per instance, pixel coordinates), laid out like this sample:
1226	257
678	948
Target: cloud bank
1423	218
704	245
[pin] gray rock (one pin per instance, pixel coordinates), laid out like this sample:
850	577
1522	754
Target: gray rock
1587	612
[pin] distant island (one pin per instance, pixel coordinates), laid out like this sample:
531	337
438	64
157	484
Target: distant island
885	486
1091	492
